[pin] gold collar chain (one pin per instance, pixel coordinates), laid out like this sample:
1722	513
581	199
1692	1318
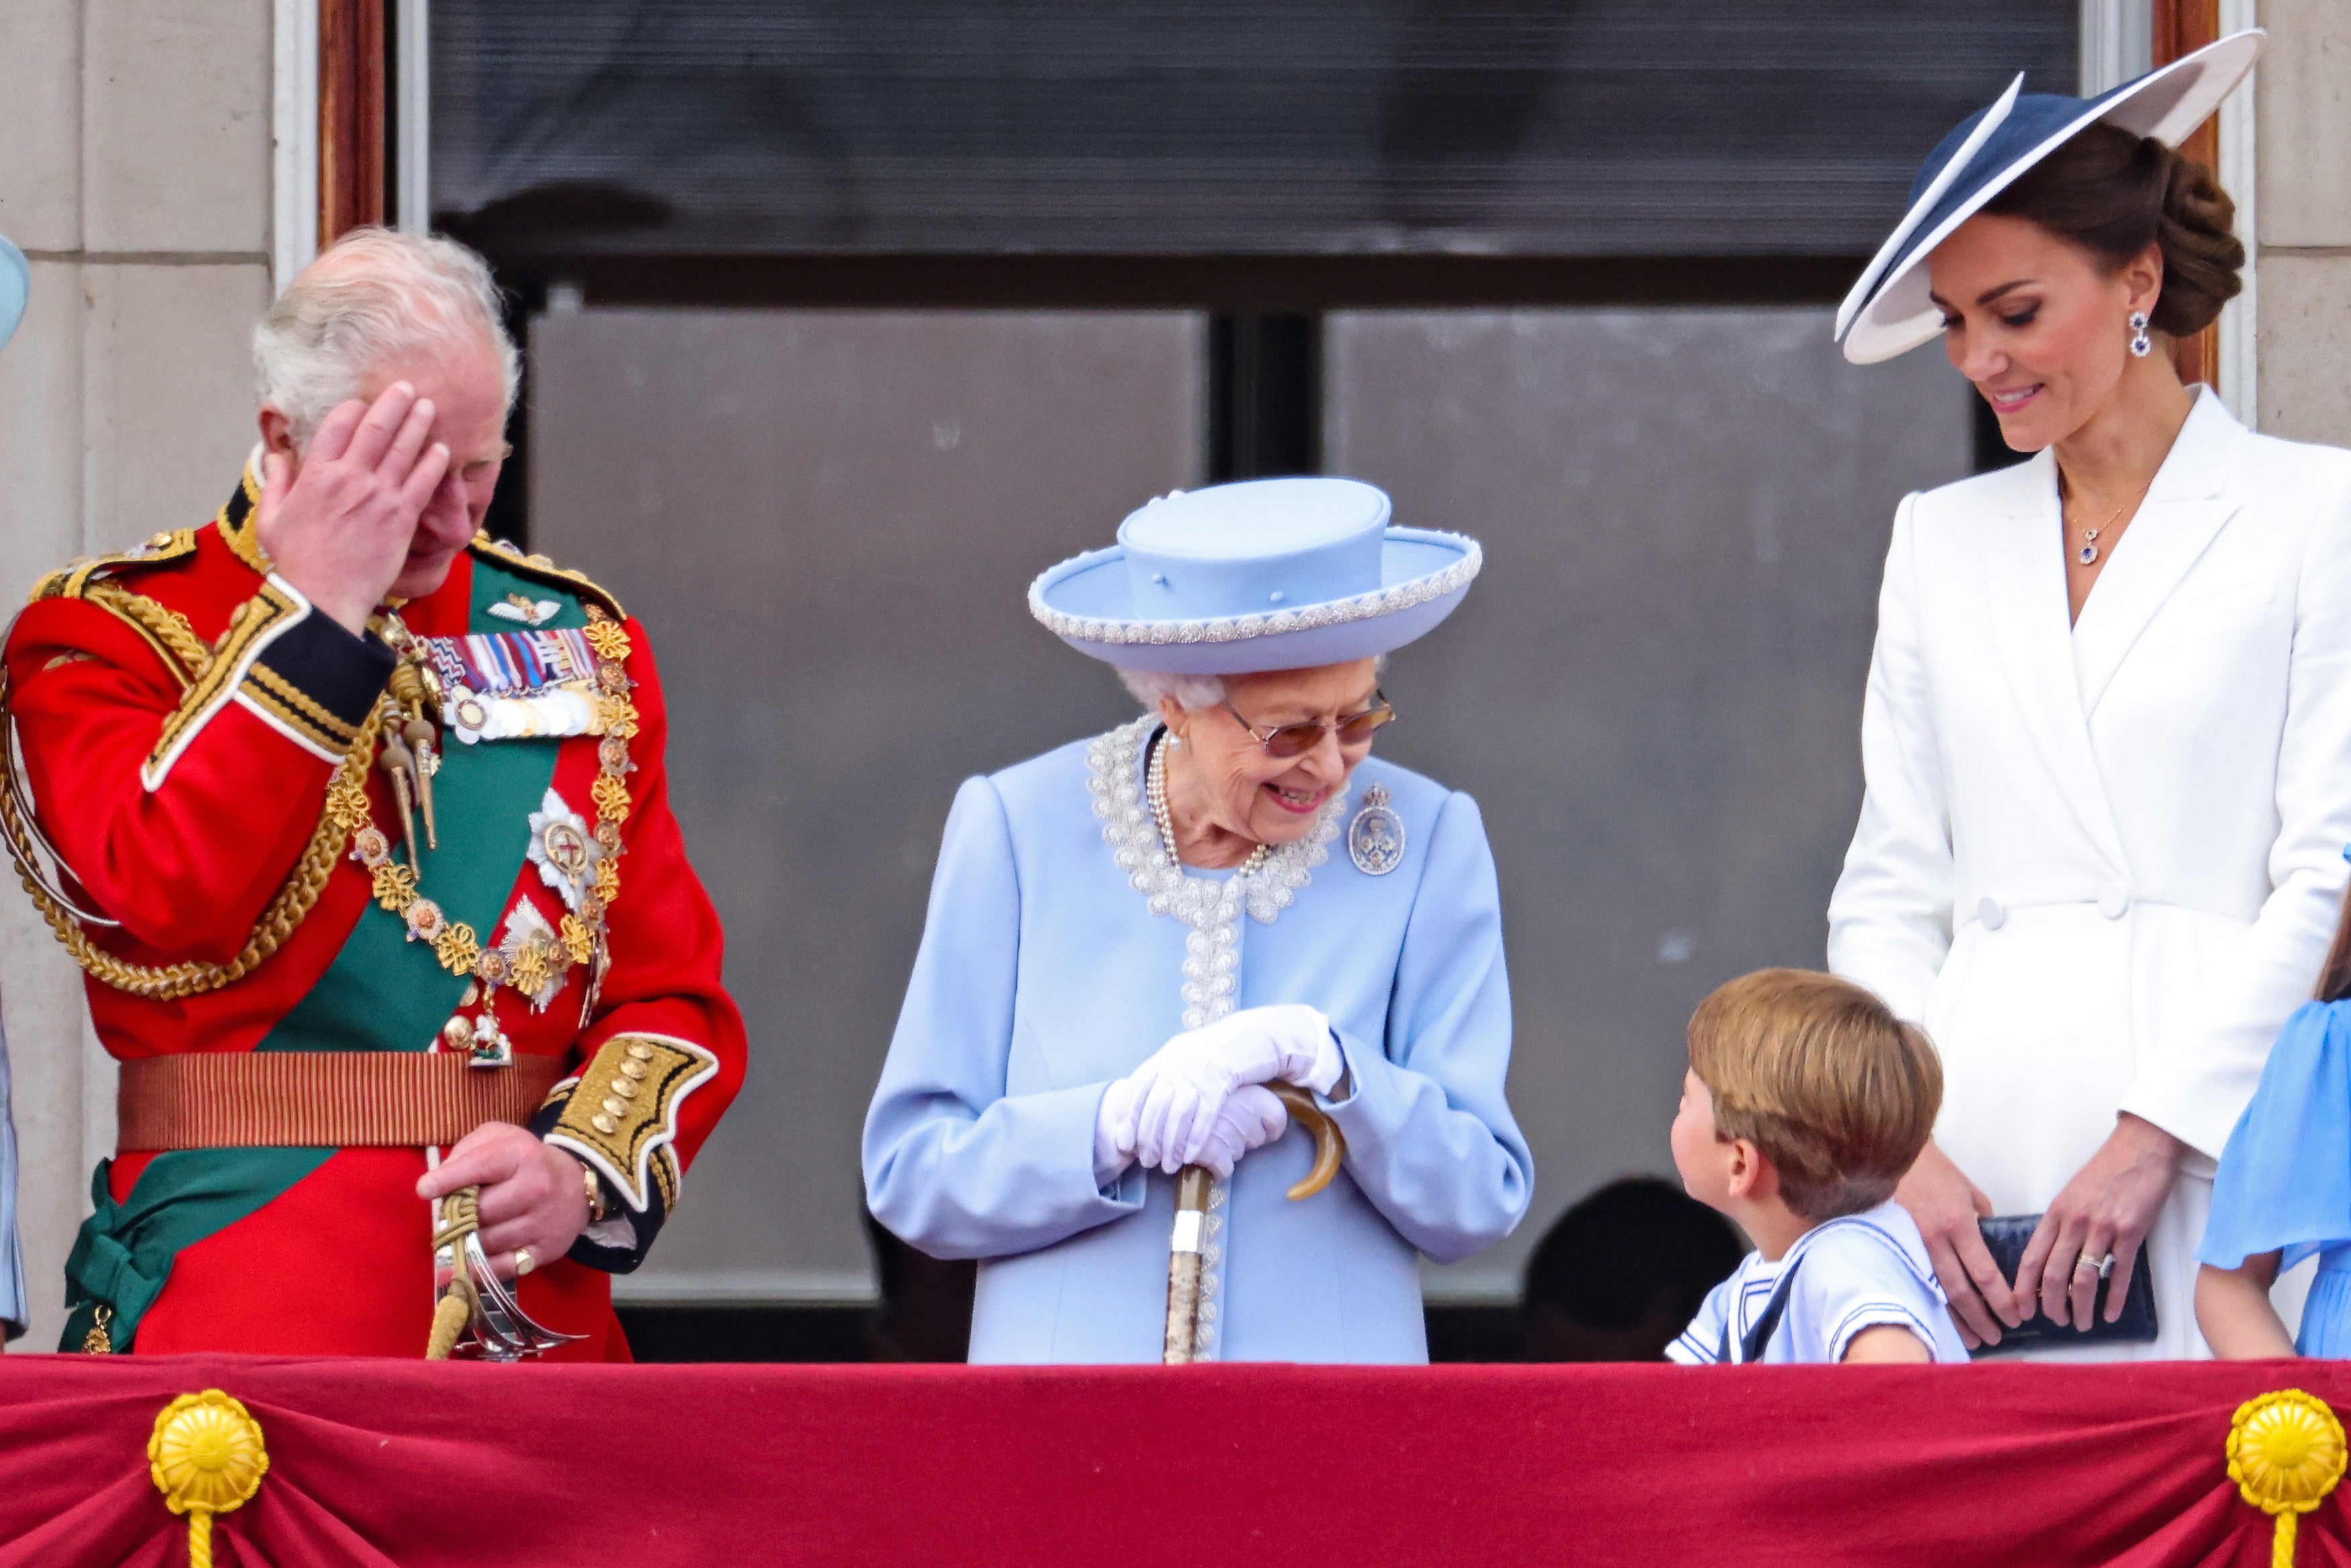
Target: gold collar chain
582	938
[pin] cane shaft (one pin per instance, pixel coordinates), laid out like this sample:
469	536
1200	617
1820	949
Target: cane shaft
1184	1259
1191	1232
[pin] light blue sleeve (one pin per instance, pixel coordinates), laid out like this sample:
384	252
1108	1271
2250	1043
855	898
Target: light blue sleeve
1430	1138
15	1309
1855	1277
1703	1337
953	1165
2284	1182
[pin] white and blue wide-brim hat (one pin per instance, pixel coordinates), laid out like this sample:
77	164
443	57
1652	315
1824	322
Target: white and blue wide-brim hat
1889	311
14	278
1267	573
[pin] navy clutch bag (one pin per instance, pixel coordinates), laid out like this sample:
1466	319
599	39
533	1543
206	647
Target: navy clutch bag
2005	1237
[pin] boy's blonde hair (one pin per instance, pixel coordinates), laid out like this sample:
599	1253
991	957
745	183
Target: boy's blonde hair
1838	1093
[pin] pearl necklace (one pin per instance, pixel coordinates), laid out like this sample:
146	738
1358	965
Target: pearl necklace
1154	789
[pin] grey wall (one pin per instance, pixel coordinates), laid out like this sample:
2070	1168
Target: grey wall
1655	689
829	521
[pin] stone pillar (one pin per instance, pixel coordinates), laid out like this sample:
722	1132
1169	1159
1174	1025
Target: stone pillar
135	174
2303	112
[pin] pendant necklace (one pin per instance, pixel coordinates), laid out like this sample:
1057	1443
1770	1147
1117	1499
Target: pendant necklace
2088	553
1155	789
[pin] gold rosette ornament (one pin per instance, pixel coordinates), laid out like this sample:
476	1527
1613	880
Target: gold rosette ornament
207	1458
2285	1454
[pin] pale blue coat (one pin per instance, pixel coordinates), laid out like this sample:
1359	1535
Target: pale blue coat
1043	975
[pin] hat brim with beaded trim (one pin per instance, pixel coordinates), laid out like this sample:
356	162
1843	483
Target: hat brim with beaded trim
1889	311
1265	574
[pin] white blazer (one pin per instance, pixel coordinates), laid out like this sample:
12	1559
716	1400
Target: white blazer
2102	863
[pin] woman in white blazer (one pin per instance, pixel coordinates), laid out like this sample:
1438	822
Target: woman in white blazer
2108	731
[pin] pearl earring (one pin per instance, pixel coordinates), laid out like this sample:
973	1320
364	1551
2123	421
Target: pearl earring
2141	345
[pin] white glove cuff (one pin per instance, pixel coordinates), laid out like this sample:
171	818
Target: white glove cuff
1114	1127
1330	1064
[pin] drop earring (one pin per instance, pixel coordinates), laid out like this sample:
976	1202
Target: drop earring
2141	345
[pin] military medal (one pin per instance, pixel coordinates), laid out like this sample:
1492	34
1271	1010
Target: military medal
562	849
579	681
1375	837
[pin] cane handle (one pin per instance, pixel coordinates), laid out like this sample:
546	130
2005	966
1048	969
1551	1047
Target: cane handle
1329	1142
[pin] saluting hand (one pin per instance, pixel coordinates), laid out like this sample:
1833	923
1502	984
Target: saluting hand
338	524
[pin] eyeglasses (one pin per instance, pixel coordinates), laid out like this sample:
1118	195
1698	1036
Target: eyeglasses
1297	739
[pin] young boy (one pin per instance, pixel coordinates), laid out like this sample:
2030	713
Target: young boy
1805	1101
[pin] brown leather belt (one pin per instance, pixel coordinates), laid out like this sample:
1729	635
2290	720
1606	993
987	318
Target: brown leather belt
331	1099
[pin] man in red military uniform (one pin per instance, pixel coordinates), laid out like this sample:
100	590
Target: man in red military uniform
360	825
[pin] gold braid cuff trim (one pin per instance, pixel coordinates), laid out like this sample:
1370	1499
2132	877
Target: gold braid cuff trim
622	1115
309	720
215	683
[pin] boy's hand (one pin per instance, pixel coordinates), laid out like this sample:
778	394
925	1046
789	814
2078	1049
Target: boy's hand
1946	1205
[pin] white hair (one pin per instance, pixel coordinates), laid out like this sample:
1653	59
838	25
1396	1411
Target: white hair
371	295
1191	692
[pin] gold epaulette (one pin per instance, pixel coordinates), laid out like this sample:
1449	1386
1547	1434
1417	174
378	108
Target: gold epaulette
72	582
539	569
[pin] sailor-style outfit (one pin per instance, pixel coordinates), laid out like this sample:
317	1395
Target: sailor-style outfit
1062	948
1848	1274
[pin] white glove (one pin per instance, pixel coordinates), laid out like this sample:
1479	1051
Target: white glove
1179	1091
1250	1118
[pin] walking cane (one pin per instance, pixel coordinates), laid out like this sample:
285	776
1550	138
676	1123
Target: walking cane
1192	1218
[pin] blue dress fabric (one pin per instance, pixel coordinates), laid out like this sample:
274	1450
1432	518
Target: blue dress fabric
1043	975
2284	1182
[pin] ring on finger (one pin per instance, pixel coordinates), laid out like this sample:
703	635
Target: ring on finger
2104	1264
524	1262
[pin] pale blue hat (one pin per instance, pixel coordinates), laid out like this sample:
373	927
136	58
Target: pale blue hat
16	278
1889	311
1266	574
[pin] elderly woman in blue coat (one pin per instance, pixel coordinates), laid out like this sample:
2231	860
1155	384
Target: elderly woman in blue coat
1130	937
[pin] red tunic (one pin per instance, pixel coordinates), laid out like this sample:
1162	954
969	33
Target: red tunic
182	822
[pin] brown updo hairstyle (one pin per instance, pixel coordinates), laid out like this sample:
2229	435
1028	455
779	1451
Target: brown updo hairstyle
2114	194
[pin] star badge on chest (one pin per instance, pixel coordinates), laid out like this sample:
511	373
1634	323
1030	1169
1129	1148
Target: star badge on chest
565	850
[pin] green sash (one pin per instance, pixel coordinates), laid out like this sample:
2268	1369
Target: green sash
382	992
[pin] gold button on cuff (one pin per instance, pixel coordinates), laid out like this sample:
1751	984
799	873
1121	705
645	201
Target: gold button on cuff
635	1069
616	1108
626	1087
604	1124
641	1053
